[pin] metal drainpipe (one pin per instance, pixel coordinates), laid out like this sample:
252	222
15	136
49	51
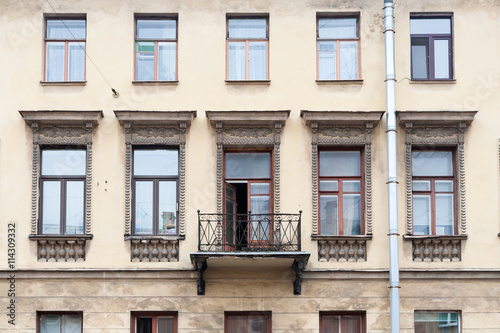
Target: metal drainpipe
390	82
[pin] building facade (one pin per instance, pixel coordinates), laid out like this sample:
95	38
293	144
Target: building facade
221	166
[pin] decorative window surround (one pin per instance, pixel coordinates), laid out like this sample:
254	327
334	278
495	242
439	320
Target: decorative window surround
436	128
251	129
61	128
155	128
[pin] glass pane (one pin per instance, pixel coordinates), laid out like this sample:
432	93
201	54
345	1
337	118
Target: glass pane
230	192
327	67
236	61
257	325
351	324
257	60
260	225
76	62
145	47
436	322
421	215
329	185
329	212
432	163
237	324
330	324
74	207
156	162
167	204
66	29
444	214
419	58
248	165
64	162
247	28
348	60
339	163
259	188
351	186
51	208
351	209
442	59
144	325
259	204
54	61
421	185
50	323
444	185
144	207
71	324
165	325
156	29
335	28
430	26
166	61
145	66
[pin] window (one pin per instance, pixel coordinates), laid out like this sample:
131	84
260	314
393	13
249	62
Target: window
248	322
247	48
338	48
60	323
335	322
156	49
433	192
62	183
155	177
437	322
65	50
162	322
340	188
431	48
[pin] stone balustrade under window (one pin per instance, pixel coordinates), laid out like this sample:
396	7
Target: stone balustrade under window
342	248
61	248
154	250
436	248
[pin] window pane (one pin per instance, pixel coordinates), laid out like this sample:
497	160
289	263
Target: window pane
50	323
335	28
259	188
444	214
442	59
351	186
144	325
257	60
257	325
247	28
54	61
430	26
165	325
260	225
248	165
432	163
168	207
236	61
51	208
237	324
230	192
259	204
144	207
145	64
421	215
327	68
351	209
166	61
348	60
339	163
436	322
76	61
66	29
419	58
329	212
74	207
330	324
351	324
71	324
63	162
329	185
422	185
156	162
444	185
156	29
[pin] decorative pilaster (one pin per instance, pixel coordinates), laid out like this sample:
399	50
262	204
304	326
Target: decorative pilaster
88	182
314	164
463	212
368	188
218	128
277	141
408	180
128	178
34	180
182	179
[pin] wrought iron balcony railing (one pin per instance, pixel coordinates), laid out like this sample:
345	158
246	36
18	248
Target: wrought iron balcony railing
248	232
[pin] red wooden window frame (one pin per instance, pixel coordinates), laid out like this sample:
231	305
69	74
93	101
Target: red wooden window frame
342	315
55	313
261	314
154	316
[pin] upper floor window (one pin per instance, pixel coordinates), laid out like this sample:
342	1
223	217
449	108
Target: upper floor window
248	322
340	192
62	182
433	192
431	47
247	48
338	322
161	322
155	183
431	322
338	48
60	323
156	49
65	50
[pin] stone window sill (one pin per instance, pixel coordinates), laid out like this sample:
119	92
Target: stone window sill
328	82
155	83
245	82
63	83
450	81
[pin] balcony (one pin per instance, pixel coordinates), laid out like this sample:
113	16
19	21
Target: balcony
229	239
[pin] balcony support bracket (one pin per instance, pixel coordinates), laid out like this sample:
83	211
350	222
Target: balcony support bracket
298	266
201	266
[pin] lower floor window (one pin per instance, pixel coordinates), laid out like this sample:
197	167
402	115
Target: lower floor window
335	322
437	322
161	322
248	322
60	323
